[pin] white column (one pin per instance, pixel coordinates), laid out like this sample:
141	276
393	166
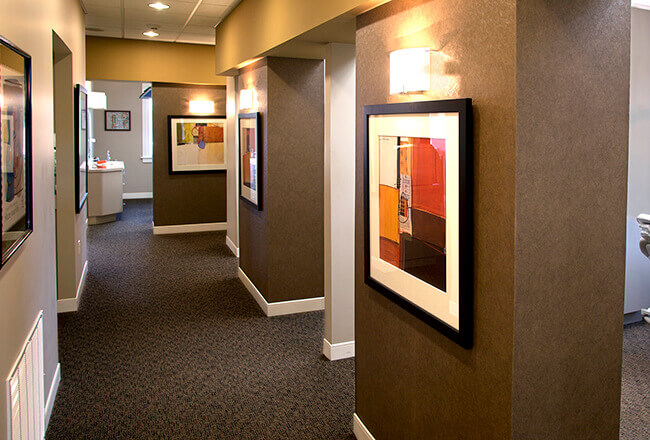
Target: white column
232	167
339	200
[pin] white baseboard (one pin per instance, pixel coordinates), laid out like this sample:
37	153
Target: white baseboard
234	249
49	403
140	195
184	229
335	352
360	430
282	307
72	304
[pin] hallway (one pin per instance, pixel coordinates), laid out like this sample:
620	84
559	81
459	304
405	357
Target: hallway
168	344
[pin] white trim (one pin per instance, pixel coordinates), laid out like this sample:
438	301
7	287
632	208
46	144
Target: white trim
72	304
146	159
335	352
137	195
360	430
183	229
49	404
281	307
234	249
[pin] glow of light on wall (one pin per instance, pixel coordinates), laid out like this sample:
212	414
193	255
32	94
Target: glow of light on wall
410	70
641	4
202	107
246	99
97	100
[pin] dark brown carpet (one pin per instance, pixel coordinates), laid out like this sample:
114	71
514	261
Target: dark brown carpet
635	397
168	344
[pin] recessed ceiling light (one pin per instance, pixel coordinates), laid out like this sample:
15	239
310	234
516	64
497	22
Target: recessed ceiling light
159	6
151	33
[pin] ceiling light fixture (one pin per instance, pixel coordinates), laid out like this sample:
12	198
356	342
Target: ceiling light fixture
151	33
159	6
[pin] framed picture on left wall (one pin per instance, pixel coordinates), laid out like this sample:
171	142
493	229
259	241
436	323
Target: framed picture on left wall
15	148
81	147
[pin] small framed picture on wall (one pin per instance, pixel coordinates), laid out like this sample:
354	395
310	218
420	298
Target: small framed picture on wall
117	120
418	210
250	159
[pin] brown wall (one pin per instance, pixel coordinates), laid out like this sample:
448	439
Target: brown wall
549	83
412	382
184	198
572	133
282	246
253	224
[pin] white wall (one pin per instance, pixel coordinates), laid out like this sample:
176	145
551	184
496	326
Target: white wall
232	167
637	276
123	145
339	192
28	281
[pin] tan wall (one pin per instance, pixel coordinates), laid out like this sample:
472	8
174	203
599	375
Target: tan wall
256	26
28	281
184	198
123	145
71	228
411	381
572	141
150	61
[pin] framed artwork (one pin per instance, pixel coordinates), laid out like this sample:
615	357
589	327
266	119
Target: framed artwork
196	144
81	147
418	210
117	120
15	148
250	159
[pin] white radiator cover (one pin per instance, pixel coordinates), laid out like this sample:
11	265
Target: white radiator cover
25	389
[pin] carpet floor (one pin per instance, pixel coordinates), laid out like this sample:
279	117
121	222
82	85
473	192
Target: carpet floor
635	396
168	344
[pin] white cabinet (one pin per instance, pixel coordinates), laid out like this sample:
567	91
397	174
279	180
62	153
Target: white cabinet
105	187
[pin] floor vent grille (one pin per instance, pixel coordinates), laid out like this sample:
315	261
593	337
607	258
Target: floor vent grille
25	394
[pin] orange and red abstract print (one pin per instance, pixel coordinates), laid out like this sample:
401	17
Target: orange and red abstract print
249	158
412	206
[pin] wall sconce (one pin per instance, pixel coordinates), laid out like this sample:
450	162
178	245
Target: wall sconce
410	70
202	107
97	100
246	98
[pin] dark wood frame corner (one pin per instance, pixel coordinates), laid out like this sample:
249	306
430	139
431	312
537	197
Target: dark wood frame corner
260	159
117	129
463	336
79	201
29	208
169	143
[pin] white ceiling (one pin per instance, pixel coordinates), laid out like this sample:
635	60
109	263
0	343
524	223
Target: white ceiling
186	21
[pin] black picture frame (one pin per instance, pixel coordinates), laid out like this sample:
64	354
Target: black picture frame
170	143
107	113
20	235
81	146
463	107
257	203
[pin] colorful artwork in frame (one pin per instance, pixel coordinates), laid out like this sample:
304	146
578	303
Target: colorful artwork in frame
15	148
418	210
196	144
250	164
117	120
81	146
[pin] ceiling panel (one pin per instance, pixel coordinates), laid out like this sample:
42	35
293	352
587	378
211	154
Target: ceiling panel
104	11
139	17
